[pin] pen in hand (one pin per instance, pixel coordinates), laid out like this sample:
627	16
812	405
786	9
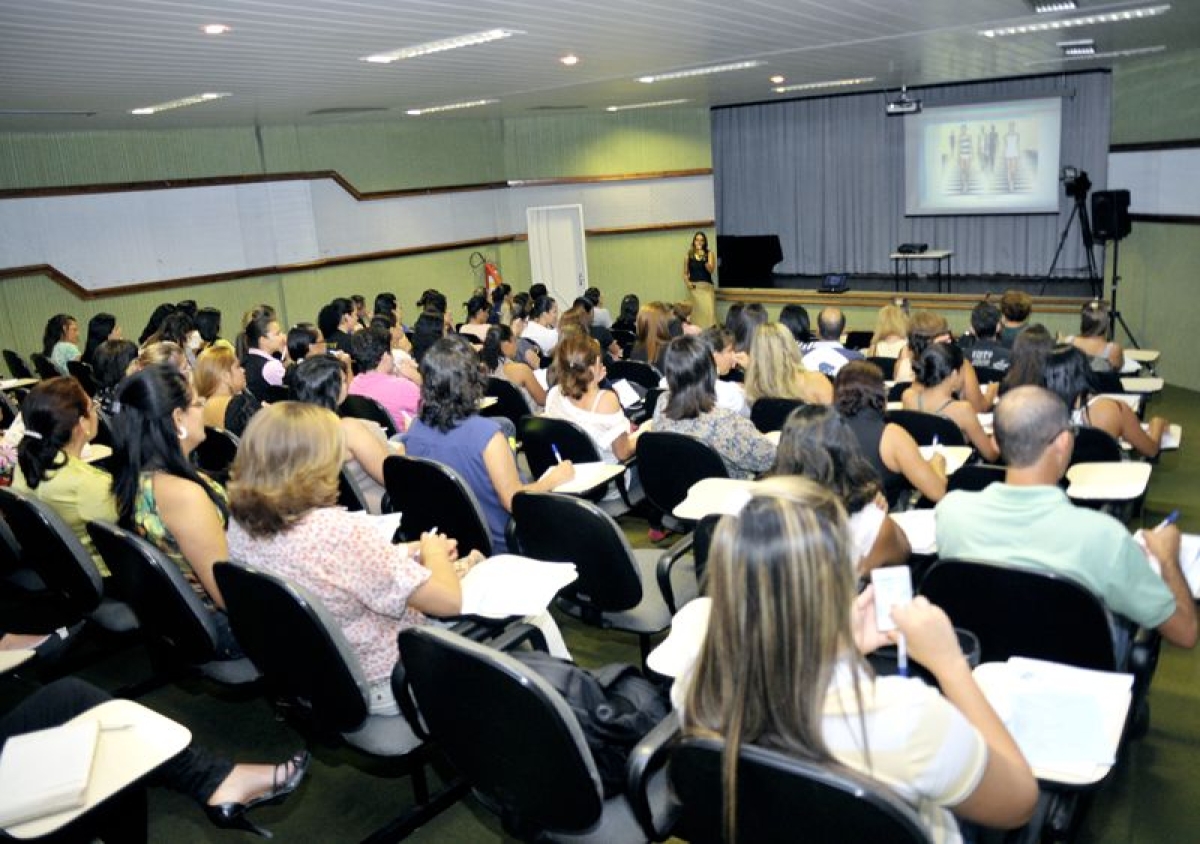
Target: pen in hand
557	454
1169	520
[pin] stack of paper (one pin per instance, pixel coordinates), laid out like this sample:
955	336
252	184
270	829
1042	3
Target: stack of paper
46	772
509	584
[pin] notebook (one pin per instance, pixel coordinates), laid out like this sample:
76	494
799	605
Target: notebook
47	771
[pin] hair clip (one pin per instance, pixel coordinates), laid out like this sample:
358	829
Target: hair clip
33	434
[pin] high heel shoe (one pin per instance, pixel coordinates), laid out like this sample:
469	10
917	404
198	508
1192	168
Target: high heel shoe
233	815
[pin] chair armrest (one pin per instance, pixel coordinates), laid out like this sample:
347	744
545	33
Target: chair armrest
518	633
647	762
667	562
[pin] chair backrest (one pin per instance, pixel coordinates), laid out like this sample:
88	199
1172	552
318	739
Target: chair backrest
1021	612
925	426
975	477
625	339
635	371
562	528
509	402
364	407
540	435
669	464
701	543
51	550
293	641
505	730
784	799
17	367
989	374
859	340
769	414
82	373
886	365
8	410
432	495
896	391
216	453
1095	446
350	495
1107	382
43	366
165	604
272	393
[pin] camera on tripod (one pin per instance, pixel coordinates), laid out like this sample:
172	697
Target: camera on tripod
1075	182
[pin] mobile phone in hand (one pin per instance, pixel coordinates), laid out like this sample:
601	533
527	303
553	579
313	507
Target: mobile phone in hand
893	587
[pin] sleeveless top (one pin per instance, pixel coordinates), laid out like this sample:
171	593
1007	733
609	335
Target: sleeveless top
698	270
868	426
149	524
938	412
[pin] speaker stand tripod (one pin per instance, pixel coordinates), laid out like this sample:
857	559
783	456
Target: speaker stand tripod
1114	314
1085	229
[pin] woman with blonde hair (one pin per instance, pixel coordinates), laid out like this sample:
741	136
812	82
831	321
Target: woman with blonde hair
652	334
776	370
790	675
283	494
891	332
221	381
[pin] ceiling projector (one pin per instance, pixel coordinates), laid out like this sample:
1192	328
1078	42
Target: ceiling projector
903	105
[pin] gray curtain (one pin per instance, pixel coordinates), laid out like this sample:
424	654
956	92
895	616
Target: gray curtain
827	176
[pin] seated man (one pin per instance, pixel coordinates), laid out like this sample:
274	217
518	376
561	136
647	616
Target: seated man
371	352
1028	521
827	355
982	346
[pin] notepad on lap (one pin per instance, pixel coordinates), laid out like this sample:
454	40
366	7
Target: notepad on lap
47	771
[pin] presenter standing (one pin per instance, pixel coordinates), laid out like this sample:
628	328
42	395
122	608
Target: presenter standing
698	270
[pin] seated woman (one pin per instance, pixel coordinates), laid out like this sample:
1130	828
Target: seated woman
450	430
730	394
541	328
60	341
264	341
795	319
925	327
891	333
498	355
374	378
1067	373
110	362
816	443
652	335
221	381
165	353
627	314
323	381
101	328
1103	355
479	310
160	495
690	407
939	379
947	754
283	493
60	420
577	397
776	370
1028	358
860	397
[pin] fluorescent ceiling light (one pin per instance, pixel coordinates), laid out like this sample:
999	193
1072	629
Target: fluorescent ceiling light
833	83
441	46
216	28
570	60
1079	47
180	103
1043	7
1083	20
1115	54
699	71
417	112
43	112
655	104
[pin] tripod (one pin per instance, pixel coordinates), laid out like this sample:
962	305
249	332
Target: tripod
1085	229
1114	314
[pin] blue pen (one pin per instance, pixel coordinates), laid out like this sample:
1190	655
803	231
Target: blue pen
557	455
1169	520
901	656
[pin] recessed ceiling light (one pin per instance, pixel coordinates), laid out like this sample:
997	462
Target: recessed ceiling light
1078	47
1043	7
1113	54
833	83
570	60
428	47
699	71
655	104
417	112
216	28
1084	20
179	103
777	80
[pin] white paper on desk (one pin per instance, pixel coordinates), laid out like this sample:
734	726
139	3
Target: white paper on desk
1170	438
920	529
1058	728
954	455
47	771
626	394
509	584
588	476
986	421
386	524
1189	559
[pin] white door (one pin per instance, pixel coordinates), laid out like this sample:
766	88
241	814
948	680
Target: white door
558	251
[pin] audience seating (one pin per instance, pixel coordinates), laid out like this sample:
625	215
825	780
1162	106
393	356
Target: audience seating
886	365
1093	445
82	373
17	367
896	391
669	464
510	403
926	427
769	414
43	366
635	372
431	495
989	374
625	339
975	477
214	456
350	495
364	407
858	340
695	543
541	435
8	411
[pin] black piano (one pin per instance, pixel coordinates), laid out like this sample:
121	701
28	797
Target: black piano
748	260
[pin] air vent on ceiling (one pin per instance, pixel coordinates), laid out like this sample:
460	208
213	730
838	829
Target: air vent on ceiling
347	110
557	108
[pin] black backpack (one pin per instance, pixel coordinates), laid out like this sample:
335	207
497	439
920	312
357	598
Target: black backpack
615	707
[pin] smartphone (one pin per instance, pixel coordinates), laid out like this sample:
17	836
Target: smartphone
893	587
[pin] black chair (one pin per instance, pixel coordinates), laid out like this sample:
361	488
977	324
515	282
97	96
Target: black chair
769	414
989	374
273	393
924	427
975	477
617	586
179	627
1107	382
43	366
859	340
541	435
625	339
350	495
510	403
669	464
896	391
887	365
17	367
51	551
696	543
520	747
363	407
1095	446
430	494
82	373
635	372
216	453
784	799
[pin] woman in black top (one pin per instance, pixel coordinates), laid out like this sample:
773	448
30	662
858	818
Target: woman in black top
698	269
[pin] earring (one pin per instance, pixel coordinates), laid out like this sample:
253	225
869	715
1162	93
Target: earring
181	432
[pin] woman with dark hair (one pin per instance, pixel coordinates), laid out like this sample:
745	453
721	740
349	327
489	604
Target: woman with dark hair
791	675
627	315
433	300
264	310
498	355
208	323
1028	359
60	341
690	407
577	397
450	430
860	397
371	353
939	378
427	330
796	320
101	328
543	317
159	492
110	363
816	443
1103	355
479	311
264	340
924	328
178	328
156	317
1068	374
323	381
501	305
221	381
60	420
744	322
698	269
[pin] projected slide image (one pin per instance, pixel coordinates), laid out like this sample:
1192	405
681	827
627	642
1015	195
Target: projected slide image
999	158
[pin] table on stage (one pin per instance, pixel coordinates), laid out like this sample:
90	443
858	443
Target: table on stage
941	256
